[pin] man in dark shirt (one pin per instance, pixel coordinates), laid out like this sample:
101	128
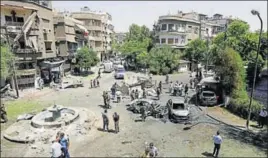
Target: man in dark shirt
105	120
116	122
186	89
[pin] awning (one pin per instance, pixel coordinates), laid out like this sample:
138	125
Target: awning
70	38
48	64
81	27
33	40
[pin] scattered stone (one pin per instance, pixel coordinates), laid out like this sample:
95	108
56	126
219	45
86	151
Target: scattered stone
126	142
33	146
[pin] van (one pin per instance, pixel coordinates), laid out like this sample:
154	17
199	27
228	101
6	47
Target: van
108	67
119	72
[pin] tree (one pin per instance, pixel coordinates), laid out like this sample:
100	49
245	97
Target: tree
86	58
163	60
251	67
231	71
195	50
6	61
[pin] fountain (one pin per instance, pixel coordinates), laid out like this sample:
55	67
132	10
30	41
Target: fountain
55	116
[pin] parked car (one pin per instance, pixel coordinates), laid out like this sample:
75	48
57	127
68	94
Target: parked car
208	98
179	111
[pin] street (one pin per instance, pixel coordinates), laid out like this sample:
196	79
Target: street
171	139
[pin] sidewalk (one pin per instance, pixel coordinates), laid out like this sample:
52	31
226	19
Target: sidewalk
228	118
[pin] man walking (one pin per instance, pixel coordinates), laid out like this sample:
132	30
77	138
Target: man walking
99	73
143	93
56	151
91	84
104	95
116	122
64	141
158	91
262	117
160	86
186	89
105	121
137	94
217	144
132	95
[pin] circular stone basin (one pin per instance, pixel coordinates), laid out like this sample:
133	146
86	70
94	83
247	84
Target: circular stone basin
67	116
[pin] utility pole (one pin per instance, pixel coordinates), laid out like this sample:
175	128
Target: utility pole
207	51
13	66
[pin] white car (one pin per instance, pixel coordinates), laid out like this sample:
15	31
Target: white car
119	72
178	110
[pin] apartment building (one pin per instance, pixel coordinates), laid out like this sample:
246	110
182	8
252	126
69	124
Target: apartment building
70	36
179	29
100	29
29	27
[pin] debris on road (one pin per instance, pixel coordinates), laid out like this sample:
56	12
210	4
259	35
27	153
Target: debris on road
25	117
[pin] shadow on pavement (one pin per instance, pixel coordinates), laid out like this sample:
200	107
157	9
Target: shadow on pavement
102	106
258	139
207	154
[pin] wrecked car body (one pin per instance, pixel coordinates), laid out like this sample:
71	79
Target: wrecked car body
178	110
152	107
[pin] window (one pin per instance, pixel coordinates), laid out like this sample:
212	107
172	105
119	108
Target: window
171	27
189	27
171	41
163	41
189	40
164	27
45	36
157	40
48	45
176	40
8	18
20	19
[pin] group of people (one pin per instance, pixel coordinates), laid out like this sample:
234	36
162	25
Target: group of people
60	146
94	83
177	87
135	94
105	119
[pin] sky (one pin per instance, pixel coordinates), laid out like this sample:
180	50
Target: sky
125	13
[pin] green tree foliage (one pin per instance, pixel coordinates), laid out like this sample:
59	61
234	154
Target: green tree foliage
6	61
196	50
231	70
251	67
163	60
137	40
86	58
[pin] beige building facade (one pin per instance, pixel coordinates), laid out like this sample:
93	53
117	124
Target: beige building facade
100	29
29	27
179	29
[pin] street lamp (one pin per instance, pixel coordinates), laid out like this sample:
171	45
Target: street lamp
254	12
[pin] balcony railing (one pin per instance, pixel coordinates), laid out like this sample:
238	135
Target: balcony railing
11	23
23	51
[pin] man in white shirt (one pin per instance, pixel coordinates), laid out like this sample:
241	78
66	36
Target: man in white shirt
217	144
56	149
262	117
153	152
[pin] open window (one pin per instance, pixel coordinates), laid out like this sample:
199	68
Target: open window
48	45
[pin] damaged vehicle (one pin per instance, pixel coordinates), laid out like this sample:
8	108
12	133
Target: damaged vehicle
178	110
143	81
208	98
69	82
152	107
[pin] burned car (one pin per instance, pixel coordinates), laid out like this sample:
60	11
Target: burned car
152	107
69	82
178	110
208	98
144	82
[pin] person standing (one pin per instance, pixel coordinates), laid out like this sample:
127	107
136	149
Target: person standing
108	100
94	83
262	117
160	86
132	95
217	144
56	151
153	151
137	94
98	83
99	73
158	91
143	113
143	93
91	84
186	89
104	98
105	121
116	122
64	141
167	78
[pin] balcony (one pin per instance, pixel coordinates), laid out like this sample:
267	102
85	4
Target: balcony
11	23
24	51
95	28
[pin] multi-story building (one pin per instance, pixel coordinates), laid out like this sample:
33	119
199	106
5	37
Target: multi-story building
29	27
99	28
179	29
70	35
